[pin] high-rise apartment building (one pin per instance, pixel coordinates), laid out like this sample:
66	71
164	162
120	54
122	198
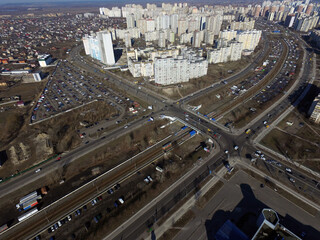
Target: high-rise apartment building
182	26
100	47
162	39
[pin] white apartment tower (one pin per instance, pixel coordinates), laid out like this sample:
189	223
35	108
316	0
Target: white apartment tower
107	52
162	39
127	40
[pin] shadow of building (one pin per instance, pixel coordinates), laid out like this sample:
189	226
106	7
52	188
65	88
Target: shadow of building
252	219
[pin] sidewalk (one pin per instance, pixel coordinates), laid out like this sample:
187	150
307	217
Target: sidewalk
160	230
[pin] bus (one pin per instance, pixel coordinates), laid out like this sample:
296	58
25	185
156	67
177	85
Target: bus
27	214
28	197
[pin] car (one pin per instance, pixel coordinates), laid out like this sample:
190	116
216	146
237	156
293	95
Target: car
292	180
97	218
99	198
146	180
93	202
289	170
56	226
84	207
121	200
59	224
77	213
110	191
117	186
278	164
236	147
69	218
150	179
226	151
38	170
37	237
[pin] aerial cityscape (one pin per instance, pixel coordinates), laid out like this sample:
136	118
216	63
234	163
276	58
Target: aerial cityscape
160	120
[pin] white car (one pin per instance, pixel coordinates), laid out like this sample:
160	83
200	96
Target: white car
226	151
146	180
121	200
69	218
236	147
289	170
150	179
38	170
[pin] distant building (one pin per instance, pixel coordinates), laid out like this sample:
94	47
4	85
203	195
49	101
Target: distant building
314	110
44	60
162	39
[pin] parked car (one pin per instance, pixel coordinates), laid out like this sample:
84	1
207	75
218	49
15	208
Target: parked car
97	218
121	200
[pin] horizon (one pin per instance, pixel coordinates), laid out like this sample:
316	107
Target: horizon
14	2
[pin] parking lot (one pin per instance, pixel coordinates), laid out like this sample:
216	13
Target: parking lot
69	88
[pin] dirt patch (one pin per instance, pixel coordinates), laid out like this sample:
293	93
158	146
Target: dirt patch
290	146
32	144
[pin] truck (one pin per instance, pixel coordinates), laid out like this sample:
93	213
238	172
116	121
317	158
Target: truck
192	132
184	127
